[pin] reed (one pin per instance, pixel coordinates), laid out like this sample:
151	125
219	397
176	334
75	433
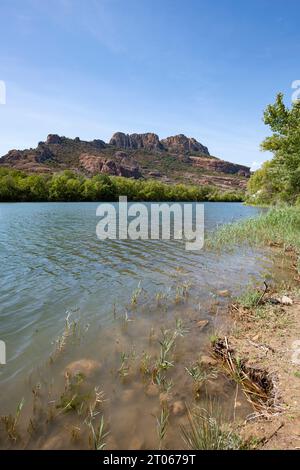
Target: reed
162	424
207	430
136	294
280	226
97	434
11	422
72	333
123	370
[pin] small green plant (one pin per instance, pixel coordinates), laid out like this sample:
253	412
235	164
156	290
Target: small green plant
166	344
250	298
162	424
72	399
136	294
180	329
261	312
161	380
213	338
182	292
160	297
11	422
98	434
72	333
145	364
297	374
200	375
123	370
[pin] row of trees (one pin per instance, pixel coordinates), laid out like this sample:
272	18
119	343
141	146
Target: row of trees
279	179
16	186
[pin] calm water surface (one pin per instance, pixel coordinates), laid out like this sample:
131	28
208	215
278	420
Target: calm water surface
52	262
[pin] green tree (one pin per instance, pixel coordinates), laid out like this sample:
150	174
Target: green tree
279	179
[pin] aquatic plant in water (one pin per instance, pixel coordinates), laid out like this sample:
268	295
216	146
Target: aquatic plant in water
162	424
11	422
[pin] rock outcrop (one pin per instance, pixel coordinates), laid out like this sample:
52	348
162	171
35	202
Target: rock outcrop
182	144
179	144
214	164
119	165
54	139
147	141
31	160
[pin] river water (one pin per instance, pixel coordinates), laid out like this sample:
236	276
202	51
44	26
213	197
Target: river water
121	292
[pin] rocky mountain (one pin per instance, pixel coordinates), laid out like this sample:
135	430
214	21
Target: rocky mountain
173	159
148	141
182	144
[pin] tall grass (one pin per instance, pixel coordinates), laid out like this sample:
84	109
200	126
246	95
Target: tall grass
279	226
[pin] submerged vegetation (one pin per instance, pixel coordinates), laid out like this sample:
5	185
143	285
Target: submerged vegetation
11	422
86	401
17	186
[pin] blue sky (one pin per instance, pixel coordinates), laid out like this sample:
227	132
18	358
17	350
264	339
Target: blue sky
203	68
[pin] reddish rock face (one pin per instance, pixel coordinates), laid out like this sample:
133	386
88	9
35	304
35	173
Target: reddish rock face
148	141
121	165
214	164
176	144
182	144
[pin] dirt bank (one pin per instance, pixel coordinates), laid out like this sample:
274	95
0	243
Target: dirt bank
265	337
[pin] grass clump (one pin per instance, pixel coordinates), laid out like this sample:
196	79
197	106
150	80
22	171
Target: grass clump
200	375
206	430
249	299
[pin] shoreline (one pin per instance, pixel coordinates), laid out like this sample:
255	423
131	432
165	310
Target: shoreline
263	341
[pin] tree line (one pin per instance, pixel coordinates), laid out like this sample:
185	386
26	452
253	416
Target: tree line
18	186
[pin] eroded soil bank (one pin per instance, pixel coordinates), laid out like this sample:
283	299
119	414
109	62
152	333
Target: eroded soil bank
264	341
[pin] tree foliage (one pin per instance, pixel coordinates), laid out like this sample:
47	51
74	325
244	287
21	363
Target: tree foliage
279	179
69	186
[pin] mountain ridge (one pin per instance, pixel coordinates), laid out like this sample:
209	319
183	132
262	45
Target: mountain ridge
174	159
